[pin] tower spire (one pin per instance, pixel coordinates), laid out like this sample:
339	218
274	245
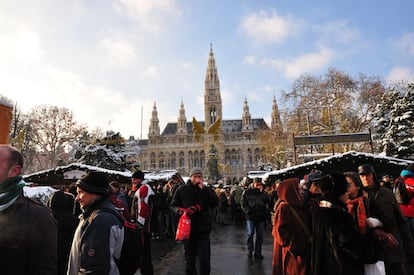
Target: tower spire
182	120
212	96
276	123
154	128
246	117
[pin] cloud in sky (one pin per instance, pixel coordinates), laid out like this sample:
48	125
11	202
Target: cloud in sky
266	26
293	68
406	44
21	46
107	61
120	52
398	74
151	16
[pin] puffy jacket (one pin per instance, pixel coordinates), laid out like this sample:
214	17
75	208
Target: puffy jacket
187	195
97	241
253	205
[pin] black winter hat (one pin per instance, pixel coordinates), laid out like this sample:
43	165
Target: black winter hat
340	184
410	167
138	175
94	182
314	175
366	169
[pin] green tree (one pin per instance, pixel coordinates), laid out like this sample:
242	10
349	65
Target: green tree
394	117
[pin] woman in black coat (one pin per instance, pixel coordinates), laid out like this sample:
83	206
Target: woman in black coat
337	248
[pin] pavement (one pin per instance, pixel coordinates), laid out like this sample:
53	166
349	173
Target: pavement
228	254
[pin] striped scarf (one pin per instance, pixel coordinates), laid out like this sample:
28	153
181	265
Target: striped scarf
10	189
356	208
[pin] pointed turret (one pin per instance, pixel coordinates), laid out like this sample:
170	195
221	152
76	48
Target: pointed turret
246	117
276	124
182	120
212	96
154	129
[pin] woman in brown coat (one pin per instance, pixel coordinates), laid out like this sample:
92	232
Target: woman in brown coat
291	232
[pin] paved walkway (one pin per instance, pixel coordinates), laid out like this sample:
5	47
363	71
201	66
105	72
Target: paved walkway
228	254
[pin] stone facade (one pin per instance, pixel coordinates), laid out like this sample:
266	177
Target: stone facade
234	144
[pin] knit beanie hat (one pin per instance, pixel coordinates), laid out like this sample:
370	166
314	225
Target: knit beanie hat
94	182
196	170
314	175
340	184
138	175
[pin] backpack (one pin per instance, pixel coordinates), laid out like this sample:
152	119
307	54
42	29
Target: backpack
132	246
400	191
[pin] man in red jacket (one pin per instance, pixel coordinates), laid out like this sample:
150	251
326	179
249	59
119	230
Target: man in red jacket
141	210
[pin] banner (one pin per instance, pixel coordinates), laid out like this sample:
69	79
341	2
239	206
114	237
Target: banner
5	120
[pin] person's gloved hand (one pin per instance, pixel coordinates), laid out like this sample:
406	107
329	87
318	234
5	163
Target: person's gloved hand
189	210
373	222
193	208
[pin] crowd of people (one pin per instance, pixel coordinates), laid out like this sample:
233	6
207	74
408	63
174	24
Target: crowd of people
321	224
342	223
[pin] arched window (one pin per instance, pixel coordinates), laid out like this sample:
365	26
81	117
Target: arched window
181	159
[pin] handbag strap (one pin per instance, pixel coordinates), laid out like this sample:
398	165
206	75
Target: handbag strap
305	228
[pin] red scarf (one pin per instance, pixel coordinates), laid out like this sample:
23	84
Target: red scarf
356	208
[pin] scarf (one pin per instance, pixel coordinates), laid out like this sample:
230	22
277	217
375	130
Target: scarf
356	208
10	189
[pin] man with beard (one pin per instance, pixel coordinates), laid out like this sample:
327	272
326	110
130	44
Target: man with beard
28	238
384	207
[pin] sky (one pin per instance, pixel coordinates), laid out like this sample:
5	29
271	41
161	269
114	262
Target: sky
110	61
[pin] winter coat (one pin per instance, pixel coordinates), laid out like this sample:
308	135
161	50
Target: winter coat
142	205
236	193
28	239
223	202
384	207
97	241
63	208
187	195
291	232
337	247
253	205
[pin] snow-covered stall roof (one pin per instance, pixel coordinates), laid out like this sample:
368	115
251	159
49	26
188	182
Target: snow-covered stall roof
163	175
63	175
348	161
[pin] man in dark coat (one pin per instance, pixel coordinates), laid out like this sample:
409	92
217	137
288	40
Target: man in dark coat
384	207
253	205
28	231
62	205
195	199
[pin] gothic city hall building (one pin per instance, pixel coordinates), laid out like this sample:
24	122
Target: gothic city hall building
222	148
